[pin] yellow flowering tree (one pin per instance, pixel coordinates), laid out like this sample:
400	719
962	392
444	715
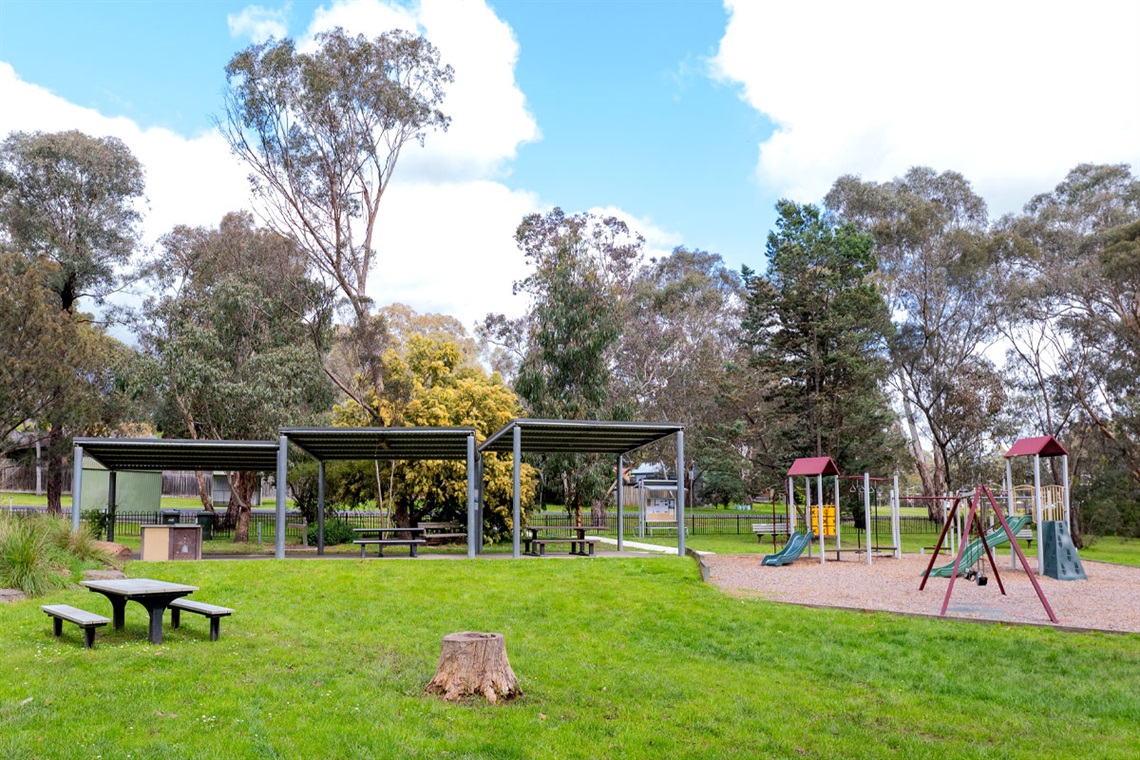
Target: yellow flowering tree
429	385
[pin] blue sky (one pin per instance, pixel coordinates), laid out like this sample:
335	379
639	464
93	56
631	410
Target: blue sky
689	119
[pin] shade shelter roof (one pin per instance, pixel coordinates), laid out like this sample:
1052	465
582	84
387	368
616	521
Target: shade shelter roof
578	436
1045	445
328	444
180	454
813	466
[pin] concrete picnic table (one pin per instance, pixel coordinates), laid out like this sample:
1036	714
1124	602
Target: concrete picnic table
155	596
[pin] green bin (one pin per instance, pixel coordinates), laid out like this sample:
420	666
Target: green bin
206	520
169	516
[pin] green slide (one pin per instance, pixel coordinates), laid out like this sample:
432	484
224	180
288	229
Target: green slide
974	550
791	551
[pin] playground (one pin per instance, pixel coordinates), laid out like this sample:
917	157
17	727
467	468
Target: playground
1109	600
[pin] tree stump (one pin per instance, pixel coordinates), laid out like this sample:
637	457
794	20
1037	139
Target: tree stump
473	663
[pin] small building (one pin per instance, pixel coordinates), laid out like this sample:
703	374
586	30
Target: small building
135	491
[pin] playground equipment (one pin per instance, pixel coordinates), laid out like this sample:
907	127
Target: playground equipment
974	550
791	551
1056	555
872	517
958	565
808	468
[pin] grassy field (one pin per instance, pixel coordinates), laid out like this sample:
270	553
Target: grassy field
616	658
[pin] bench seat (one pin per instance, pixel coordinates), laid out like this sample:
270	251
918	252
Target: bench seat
88	621
211	611
413	544
539	544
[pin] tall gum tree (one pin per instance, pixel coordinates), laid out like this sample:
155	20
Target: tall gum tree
72	200
322	133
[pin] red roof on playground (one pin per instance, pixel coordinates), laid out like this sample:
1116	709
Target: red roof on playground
814	466
1045	445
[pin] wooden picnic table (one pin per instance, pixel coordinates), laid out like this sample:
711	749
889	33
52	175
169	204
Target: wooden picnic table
155	596
578	540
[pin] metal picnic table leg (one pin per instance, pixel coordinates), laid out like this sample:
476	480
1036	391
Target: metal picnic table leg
156	612
118	605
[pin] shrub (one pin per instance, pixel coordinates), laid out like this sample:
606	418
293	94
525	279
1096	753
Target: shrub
336	532
28	560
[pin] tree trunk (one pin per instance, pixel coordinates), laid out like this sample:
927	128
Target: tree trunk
55	472
471	664
241	494
204	493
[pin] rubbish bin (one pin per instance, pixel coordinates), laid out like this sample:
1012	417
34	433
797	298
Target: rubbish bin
169	516
206	520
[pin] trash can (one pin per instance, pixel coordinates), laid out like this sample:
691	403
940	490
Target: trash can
206	520
169	516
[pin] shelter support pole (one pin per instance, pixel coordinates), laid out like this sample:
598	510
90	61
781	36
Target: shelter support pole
112	502
282	469
620	504
681	493
867	512
76	486
1037	512
479	506
1009	504
471	497
1065	486
321	507
819	511
516	498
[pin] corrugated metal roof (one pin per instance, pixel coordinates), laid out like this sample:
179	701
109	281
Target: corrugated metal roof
180	454
579	436
381	443
814	466
1045	445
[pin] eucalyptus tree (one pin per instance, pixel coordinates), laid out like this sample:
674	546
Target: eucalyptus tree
233	335
583	270
937	256
322	133
69	206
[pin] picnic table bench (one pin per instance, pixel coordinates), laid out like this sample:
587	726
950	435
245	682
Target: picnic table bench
580	544
88	621
443	531
211	611
380	542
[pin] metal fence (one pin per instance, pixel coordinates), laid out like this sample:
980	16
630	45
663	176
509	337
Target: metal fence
739	524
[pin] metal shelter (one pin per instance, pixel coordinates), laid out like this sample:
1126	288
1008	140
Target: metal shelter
585	437
158	454
1038	447
409	443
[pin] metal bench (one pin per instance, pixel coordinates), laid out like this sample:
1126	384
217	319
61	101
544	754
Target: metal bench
539	545
413	544
212	611
88	621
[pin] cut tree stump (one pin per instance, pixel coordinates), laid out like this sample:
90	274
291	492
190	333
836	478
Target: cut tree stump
472	663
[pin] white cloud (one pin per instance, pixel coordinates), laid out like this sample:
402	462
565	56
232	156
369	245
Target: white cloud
1011	94
258	23
659	243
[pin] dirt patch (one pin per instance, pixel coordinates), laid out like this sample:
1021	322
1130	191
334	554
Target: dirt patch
1109	600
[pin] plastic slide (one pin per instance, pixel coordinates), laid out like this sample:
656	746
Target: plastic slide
975	550
791	551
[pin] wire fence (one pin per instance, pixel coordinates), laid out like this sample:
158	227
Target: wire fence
741	524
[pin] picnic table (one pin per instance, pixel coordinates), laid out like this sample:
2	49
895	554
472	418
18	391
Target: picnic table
535	544
155	596
380	542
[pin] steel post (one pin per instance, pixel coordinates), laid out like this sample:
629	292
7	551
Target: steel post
282	486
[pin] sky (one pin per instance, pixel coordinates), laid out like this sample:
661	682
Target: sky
689	120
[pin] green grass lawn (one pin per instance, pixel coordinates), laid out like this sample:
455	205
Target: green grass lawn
616	658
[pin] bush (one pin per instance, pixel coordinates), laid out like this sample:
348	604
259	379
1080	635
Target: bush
28	561
336	532
98	520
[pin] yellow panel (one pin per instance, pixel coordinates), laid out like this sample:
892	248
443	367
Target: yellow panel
155	543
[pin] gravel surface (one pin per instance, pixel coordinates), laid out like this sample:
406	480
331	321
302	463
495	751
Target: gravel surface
1109	600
